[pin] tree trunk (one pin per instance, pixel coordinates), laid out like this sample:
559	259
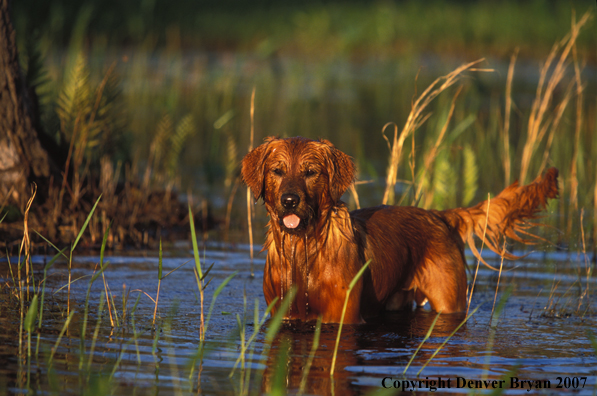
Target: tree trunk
22	158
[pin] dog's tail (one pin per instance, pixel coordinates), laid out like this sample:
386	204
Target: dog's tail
505	215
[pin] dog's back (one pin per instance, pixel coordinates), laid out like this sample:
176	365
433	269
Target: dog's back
418	254
414	255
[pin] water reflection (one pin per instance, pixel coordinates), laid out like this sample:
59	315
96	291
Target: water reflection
546	343
386	340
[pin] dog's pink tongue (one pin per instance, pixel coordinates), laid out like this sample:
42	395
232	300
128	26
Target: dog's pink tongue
291	221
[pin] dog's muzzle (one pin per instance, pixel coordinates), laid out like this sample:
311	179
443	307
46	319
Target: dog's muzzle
290	202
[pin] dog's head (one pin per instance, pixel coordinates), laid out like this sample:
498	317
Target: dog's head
299	179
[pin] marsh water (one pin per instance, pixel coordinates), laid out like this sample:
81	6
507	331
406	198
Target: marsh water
539	339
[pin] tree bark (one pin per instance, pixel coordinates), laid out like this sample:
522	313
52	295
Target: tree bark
22	158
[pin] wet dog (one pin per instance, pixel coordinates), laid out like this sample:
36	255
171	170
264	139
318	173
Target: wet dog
315	244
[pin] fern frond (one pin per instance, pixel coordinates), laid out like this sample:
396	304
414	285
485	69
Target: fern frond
444	182
184	129
36	73
74	98
106	120
471	175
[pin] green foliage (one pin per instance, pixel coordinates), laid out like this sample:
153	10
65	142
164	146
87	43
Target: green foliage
444	182
74	99
470	175
29	322
334	70
91	116
281	369
161	141
184	129
168	144
36	75
339	28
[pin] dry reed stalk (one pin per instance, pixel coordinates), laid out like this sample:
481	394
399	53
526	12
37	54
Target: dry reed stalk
595	218
63	188
204	220
8	195
433	153
540	121
412	166
574	167
148	170
497	286
26	242
587	266
355	195
395	152
249	197
108	300
229	209
506	131
415	119
559	112
470	297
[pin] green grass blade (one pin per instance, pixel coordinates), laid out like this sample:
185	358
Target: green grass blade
314	347
215	295
43	289
194	240
160	261
350	286
207	272
513	372
100	311
98	273
276	321
258	325
53	260
593	340
31	314
70	317
85	224
422	342
104	243
162	278
52	245
73	281
448	338
281	370
493	328
501	305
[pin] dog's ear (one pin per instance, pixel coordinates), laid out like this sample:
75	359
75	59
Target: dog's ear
253	168
342	171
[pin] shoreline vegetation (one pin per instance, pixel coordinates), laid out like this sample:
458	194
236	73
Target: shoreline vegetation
153	130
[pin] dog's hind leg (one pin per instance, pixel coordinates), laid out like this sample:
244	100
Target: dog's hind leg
443	282
400	300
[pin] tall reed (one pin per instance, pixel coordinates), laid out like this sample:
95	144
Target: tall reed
352	284
416	118
545	116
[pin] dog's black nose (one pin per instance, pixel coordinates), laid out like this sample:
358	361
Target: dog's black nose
290	201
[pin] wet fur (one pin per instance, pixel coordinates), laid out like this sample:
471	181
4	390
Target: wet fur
416	255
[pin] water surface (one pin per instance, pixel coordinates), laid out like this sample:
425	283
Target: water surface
541	336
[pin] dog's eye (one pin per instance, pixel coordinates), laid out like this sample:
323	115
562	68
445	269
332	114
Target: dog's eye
310	173
277	172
